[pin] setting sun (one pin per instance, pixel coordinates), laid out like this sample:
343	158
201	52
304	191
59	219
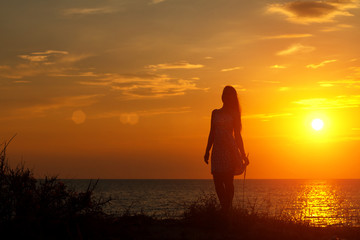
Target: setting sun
317	124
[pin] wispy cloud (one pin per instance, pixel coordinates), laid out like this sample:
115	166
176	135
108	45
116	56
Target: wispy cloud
176	65
21	81
149	84
89	11
53	104
151	112
48	52
305	12
80	74
133	118
314	66
352	101
296	48
42	56
145	85
62	102
346	82
288	36
49	63
267	116
326	84
231	69
265	81
337	27
239	88
156	87
156	1
35	58
2	67
283	89
277	66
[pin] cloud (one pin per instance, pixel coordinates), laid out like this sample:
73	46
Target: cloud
89	11
60	102
266	116
155	87
337	27
239	88
4	67
287	36
161	111
22	81
32	58
352	101
305	12
71	58
80	74
10	76
156	1
48	52
94	83
283	89
133	118
314	66
49	63
54	104
326	85
176	65
147	85
277	66
42	56
144	113
352	80
265	81
347	82
231	69
296	48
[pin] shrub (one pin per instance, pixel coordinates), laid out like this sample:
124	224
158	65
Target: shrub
40	205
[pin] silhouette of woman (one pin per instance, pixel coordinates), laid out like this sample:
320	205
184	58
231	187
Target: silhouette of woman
226	142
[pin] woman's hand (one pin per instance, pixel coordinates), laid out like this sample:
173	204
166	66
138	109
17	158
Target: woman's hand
206	157
246	159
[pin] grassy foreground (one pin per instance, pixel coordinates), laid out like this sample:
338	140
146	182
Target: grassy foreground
48	209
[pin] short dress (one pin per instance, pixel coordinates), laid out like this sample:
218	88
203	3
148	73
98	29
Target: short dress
225	150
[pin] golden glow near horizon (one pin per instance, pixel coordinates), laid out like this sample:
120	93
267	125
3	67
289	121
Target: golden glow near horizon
125	89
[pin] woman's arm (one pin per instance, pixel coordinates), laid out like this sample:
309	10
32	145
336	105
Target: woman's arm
210	139
239	140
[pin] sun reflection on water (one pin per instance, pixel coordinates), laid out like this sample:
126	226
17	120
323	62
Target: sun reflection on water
321	204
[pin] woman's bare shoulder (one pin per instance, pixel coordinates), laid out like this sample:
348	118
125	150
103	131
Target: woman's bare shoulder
214	111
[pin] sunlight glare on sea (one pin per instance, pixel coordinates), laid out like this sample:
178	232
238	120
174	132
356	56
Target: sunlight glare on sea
321	203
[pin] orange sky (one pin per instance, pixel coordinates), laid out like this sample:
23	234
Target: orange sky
125	89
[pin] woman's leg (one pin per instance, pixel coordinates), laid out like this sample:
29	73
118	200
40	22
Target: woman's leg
220	189
229	189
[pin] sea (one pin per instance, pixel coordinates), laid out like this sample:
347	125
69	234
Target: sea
316	202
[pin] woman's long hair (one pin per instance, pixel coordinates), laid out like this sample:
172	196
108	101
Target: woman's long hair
231	102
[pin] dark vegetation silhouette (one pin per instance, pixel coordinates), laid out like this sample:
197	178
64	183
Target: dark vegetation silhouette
47	208
43	207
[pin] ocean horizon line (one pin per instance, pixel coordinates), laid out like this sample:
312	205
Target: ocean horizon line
236	178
